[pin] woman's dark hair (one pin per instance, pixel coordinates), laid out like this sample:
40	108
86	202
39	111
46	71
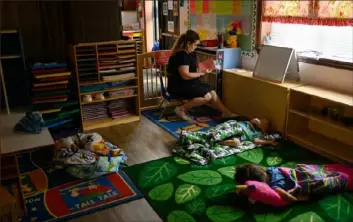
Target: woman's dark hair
189	37
247	172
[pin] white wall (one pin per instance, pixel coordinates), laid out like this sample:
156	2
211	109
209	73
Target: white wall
129	17
336	79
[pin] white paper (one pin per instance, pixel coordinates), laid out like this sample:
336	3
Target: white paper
165	8
171	26
170	4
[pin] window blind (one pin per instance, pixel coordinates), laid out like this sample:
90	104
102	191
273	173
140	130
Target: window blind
332	42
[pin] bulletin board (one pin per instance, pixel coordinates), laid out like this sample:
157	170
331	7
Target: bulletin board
208	17
169	16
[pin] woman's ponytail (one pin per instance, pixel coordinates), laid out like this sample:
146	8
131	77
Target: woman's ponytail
179	43
189	37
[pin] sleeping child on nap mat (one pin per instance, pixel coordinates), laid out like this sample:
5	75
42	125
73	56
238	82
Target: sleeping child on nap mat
299	183
225	139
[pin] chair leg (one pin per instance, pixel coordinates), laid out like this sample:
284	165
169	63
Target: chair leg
162	113
160	105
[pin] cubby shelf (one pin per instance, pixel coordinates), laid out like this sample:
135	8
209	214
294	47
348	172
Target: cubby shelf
106	71
321	133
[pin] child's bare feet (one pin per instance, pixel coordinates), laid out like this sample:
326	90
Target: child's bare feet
234	142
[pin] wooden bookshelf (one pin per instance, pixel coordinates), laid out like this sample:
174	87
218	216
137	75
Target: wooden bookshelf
107	68
12	72
139	37
94	124
314	121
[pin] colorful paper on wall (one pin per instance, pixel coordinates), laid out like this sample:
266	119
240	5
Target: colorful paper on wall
206	20
224	7
236	8
199	7
192	6
171	26
165	8
203	33
206	6
170	4
175	9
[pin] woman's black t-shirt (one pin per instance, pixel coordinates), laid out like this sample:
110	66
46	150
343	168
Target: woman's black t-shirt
181	58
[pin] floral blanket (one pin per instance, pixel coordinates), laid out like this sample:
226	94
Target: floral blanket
201	147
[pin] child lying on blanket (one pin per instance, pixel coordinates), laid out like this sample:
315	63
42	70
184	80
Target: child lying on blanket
300	183
202	146
257	131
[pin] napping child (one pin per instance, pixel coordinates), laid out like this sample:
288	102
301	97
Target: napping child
300	183
255	130
225	139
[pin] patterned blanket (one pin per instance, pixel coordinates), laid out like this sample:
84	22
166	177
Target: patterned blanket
319	179
201	147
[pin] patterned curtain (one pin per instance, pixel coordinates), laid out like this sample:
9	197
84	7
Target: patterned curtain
313	12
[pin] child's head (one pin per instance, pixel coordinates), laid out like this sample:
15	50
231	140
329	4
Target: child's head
249	171
263	124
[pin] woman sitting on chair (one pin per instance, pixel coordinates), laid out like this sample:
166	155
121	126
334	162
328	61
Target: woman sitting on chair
184	80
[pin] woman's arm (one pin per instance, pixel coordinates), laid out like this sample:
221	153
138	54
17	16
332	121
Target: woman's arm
186	75
285	195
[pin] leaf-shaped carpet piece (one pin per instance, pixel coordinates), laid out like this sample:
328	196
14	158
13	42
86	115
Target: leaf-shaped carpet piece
307	217
180	216
223	213
254	156
197	206
337	208
186	192
227	171
156	172
162	192
272	217
202	177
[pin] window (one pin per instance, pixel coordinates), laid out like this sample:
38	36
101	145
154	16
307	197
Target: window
321	32
329	42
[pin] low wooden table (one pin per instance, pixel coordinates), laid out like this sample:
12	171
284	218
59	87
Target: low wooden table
12	143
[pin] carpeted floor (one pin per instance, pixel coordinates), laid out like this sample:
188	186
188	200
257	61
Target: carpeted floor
204	118
50	193
181	191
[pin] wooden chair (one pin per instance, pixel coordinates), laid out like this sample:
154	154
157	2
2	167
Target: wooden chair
7	204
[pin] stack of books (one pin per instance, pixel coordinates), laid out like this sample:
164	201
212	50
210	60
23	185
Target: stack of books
53	97
118	109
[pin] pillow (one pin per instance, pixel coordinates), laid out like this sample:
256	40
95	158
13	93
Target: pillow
261	192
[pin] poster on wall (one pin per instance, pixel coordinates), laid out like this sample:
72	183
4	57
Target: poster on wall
165	8
170	4
171	26
175	8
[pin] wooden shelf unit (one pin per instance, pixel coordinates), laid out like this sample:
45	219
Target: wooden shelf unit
107	67
309	127
12	72
137	36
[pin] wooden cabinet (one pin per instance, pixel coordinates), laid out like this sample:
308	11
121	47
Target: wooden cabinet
129	5
311	127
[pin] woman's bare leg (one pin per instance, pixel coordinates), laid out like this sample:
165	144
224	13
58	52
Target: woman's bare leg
199	101
217	103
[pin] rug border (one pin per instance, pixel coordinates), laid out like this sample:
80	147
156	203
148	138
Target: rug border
138	195
176	136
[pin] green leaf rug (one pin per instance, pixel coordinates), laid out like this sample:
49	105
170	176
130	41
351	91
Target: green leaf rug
179	190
